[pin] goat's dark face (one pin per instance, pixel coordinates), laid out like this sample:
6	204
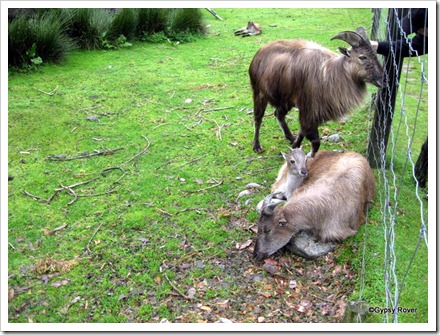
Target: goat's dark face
274	231
365	65
362	58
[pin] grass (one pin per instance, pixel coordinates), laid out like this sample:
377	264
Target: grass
171	210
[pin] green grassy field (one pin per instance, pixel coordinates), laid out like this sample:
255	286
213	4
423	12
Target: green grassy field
142	153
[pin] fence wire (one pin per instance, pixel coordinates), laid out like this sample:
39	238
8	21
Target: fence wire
391	178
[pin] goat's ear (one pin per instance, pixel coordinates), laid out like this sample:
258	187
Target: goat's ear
344	51
285	156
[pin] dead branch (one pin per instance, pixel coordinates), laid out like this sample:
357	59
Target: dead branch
140	153
48	93
197	210
206	188
219	131
86	248
164	212
85	155
34	196
176	289
191	161
211	110
95	194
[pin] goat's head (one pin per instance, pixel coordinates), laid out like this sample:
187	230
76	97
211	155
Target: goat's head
361	56
274	231
296	161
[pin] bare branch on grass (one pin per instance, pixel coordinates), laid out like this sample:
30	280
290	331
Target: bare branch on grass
86	248
35	196
212	110
48	93
85	155
219	131
176	289
192	161
140	153
206	188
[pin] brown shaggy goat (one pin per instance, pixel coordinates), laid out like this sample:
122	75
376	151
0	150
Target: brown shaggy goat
321	84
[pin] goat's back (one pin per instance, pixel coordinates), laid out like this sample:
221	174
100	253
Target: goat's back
276	64
334	197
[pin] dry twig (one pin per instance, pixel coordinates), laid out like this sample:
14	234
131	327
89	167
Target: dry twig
85	155
86	248
206	188
176	289
48	93
140	153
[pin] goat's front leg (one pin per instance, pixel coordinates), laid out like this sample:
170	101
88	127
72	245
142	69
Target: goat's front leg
280	114
313	136
299	139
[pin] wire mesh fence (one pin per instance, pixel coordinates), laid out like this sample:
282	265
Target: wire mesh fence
398	127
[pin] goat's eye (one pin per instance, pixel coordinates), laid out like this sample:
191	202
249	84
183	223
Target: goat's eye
292	161
362	57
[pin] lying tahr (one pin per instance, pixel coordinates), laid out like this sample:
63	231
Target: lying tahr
330	204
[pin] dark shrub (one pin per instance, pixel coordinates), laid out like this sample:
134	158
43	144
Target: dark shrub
150	21
21	38
124	23
185	20
52	43
86	26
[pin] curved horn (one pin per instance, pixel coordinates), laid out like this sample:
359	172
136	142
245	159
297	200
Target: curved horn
351	37
269	204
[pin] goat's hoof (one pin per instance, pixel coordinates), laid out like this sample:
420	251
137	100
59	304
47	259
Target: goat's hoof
259	150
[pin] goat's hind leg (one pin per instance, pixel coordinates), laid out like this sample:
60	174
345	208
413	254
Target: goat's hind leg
280	114
260	105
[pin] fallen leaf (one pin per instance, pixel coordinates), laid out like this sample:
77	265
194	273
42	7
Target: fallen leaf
254	228
244	245
271	268
60	283
191	292
270	261
45	279
337	269
292	284
266	294
58	228
143	240
11	294
206	308
261	319
75	300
